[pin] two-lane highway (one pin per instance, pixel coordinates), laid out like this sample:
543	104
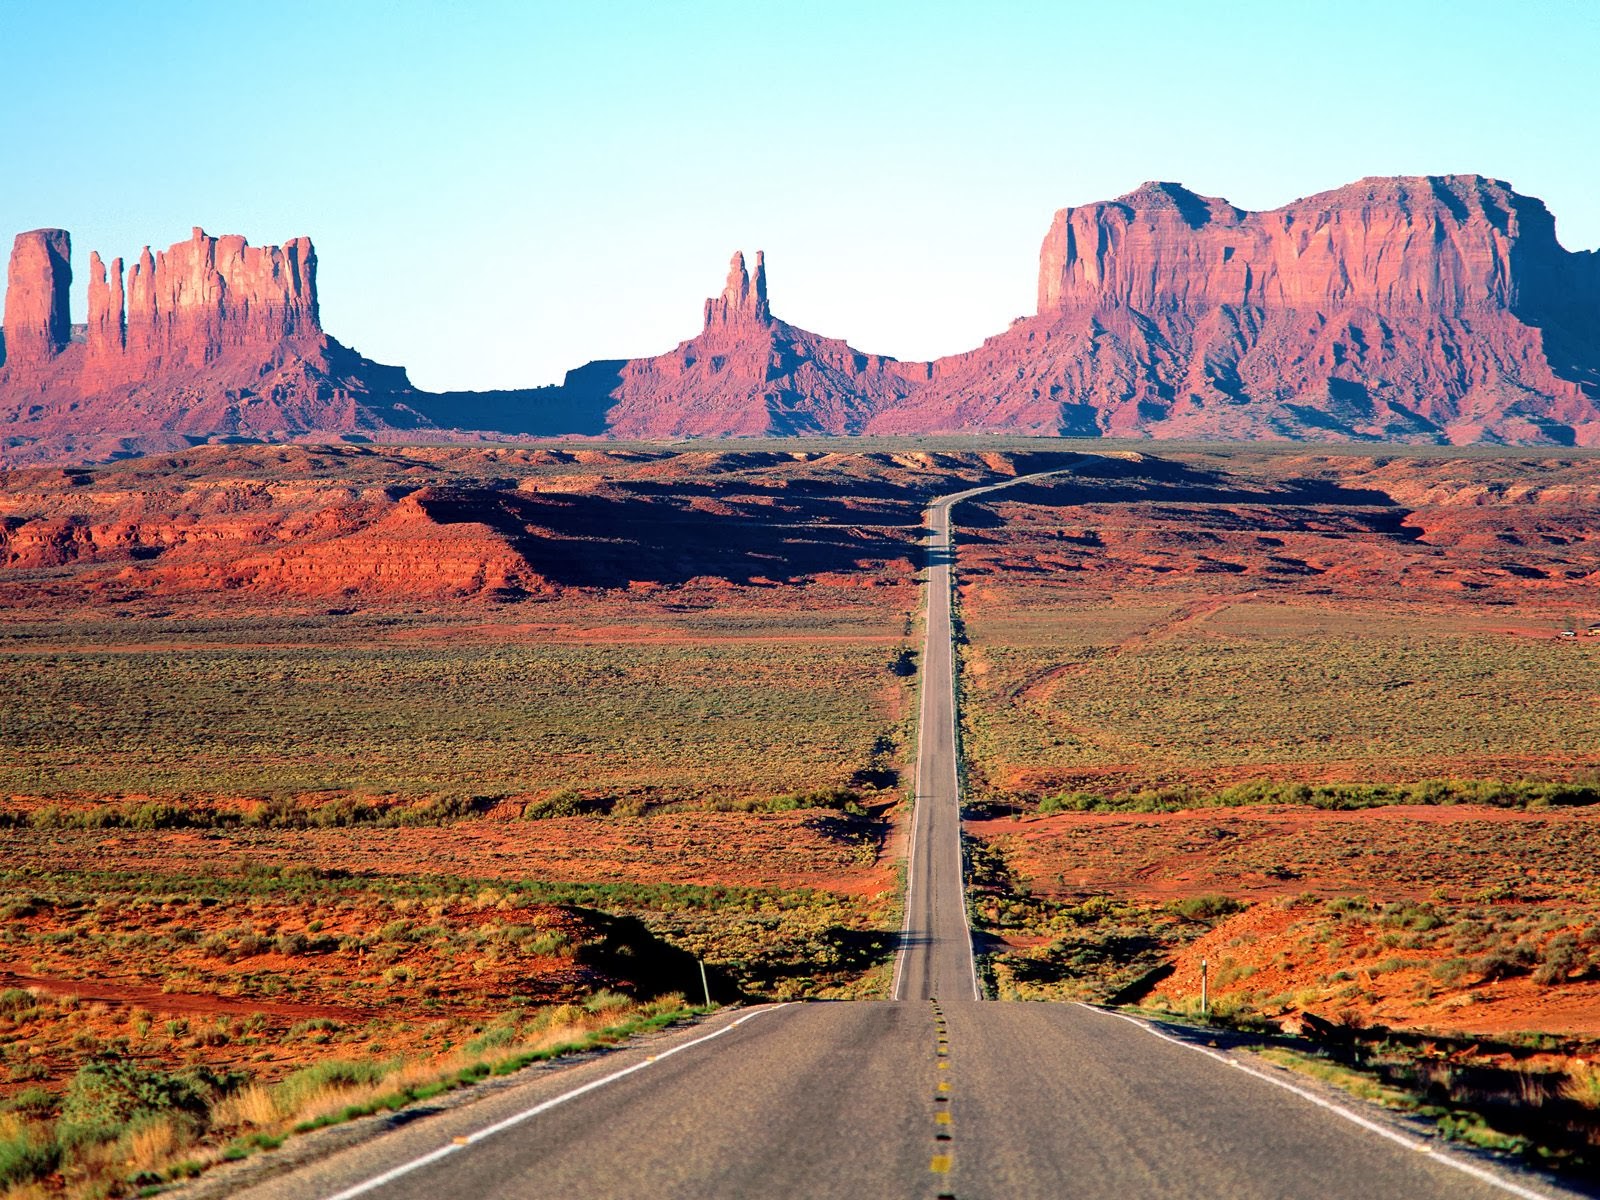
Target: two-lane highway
934	1094
935	958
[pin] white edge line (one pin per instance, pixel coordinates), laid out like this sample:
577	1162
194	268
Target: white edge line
1437	1153
406	1168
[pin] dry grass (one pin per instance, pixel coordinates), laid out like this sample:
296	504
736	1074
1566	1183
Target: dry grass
1583	1084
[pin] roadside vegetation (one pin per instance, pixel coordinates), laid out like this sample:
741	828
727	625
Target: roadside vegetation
153	1024
122	1127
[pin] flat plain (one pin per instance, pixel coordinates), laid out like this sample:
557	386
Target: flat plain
331	777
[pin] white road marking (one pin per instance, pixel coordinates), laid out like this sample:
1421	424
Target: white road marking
1437	1153
461	1143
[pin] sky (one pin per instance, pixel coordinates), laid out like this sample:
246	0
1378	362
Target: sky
500	192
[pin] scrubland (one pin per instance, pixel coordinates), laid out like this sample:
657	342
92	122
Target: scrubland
1326	724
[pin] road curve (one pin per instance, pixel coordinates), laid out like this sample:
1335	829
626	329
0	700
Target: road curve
935	957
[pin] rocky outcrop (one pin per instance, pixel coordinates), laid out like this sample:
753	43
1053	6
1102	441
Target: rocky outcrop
211	338
749	374
742	302
1416	309
1435	309
37	325
198	300
1442	244
106	336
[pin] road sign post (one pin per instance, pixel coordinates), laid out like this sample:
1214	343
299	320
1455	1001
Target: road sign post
1205	999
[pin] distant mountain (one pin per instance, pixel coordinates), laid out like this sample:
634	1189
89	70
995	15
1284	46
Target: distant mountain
212	338
1432	309
749	374
1427	309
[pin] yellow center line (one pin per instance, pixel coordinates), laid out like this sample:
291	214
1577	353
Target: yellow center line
941	1118
940	1164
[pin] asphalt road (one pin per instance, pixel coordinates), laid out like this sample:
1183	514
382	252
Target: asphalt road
914	1099
935	958
933	1094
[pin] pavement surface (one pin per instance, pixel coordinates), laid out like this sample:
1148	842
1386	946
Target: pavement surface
935	1093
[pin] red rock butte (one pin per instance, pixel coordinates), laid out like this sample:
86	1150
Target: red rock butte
1433	309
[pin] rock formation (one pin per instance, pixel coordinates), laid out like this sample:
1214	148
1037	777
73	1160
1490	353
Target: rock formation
199	299
37	325
107	332
1414	309
210	338
1426	309
749	374
741	302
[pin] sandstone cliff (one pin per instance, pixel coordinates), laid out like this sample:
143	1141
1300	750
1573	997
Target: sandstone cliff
1414	309
1426	309
209	338
37	327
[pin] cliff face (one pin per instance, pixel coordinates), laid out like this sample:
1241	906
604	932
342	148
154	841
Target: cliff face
1434	309
749	374
196	301
37	327
1427	309
210	338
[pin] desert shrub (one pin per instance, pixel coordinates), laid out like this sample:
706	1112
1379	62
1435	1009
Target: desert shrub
106	1095
1451	971
250	943
314	1025
304	1085
839	799
1072	802
1204	908
1560	959
565	803
290	945
1582	1084
1505	961
27	1152
1421	918
215	945
16	1000
606	1000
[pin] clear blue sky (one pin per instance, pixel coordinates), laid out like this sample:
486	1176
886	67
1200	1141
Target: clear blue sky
501	191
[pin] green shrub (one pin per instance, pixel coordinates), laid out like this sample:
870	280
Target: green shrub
1505	961
1205	908
295	1090
565	803
107	1094
16	1000
26	1154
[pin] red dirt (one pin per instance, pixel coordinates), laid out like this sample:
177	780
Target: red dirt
158	1000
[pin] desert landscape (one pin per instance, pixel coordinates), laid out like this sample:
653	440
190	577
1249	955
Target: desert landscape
510	738
1117	714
